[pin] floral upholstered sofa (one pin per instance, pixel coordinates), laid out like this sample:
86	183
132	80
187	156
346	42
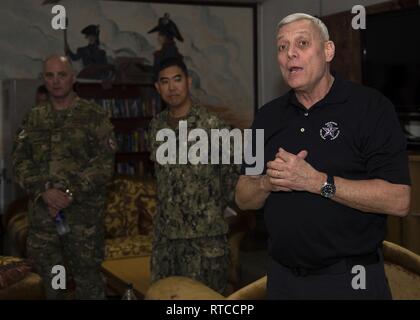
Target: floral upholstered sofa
131	204
129	211
130	208
129	215
18	281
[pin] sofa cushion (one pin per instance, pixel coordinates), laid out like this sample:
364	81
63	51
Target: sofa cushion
404	284
130	207
29	288
181	288
137	245
15	222
12	270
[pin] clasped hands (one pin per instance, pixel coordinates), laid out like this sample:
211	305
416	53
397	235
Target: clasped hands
290	172
56	200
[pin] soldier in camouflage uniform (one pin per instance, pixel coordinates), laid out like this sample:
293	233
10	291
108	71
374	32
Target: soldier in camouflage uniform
190	229
66	143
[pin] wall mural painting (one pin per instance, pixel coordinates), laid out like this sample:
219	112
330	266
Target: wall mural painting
118	41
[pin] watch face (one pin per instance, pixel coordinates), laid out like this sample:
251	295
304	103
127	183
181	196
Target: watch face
328	190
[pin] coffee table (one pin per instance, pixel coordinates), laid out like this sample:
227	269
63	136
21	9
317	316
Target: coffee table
122	271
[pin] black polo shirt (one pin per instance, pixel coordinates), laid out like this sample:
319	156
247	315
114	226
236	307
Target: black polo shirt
352	133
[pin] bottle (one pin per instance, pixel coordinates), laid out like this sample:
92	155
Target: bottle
61	223
129	293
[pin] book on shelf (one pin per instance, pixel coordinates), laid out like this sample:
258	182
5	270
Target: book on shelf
131	107
134	141
133	169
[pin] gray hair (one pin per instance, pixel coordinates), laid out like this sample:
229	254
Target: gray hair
303	16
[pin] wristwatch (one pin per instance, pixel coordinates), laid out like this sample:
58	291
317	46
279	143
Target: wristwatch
328	189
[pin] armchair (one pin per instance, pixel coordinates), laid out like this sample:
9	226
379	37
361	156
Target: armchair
402	268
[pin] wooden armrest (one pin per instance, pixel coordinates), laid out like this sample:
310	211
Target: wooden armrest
181	288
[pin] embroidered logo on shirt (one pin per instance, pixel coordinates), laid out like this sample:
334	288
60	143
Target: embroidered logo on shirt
330	131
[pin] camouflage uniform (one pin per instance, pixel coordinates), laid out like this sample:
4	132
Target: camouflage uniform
190	230
72	149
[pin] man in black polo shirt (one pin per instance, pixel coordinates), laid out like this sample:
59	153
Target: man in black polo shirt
337	166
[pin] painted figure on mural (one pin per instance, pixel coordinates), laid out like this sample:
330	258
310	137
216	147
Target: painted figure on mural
167	33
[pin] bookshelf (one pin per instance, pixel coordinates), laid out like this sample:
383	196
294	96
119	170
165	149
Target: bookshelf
130	107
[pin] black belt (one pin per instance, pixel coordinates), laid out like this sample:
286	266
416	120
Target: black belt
337	268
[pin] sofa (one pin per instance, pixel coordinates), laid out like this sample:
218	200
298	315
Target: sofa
130	207
402	268
128	220
18	280
129	210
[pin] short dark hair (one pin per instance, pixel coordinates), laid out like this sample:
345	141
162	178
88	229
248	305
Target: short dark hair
170	62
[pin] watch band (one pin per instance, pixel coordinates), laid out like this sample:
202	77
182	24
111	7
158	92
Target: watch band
328	189
330	179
